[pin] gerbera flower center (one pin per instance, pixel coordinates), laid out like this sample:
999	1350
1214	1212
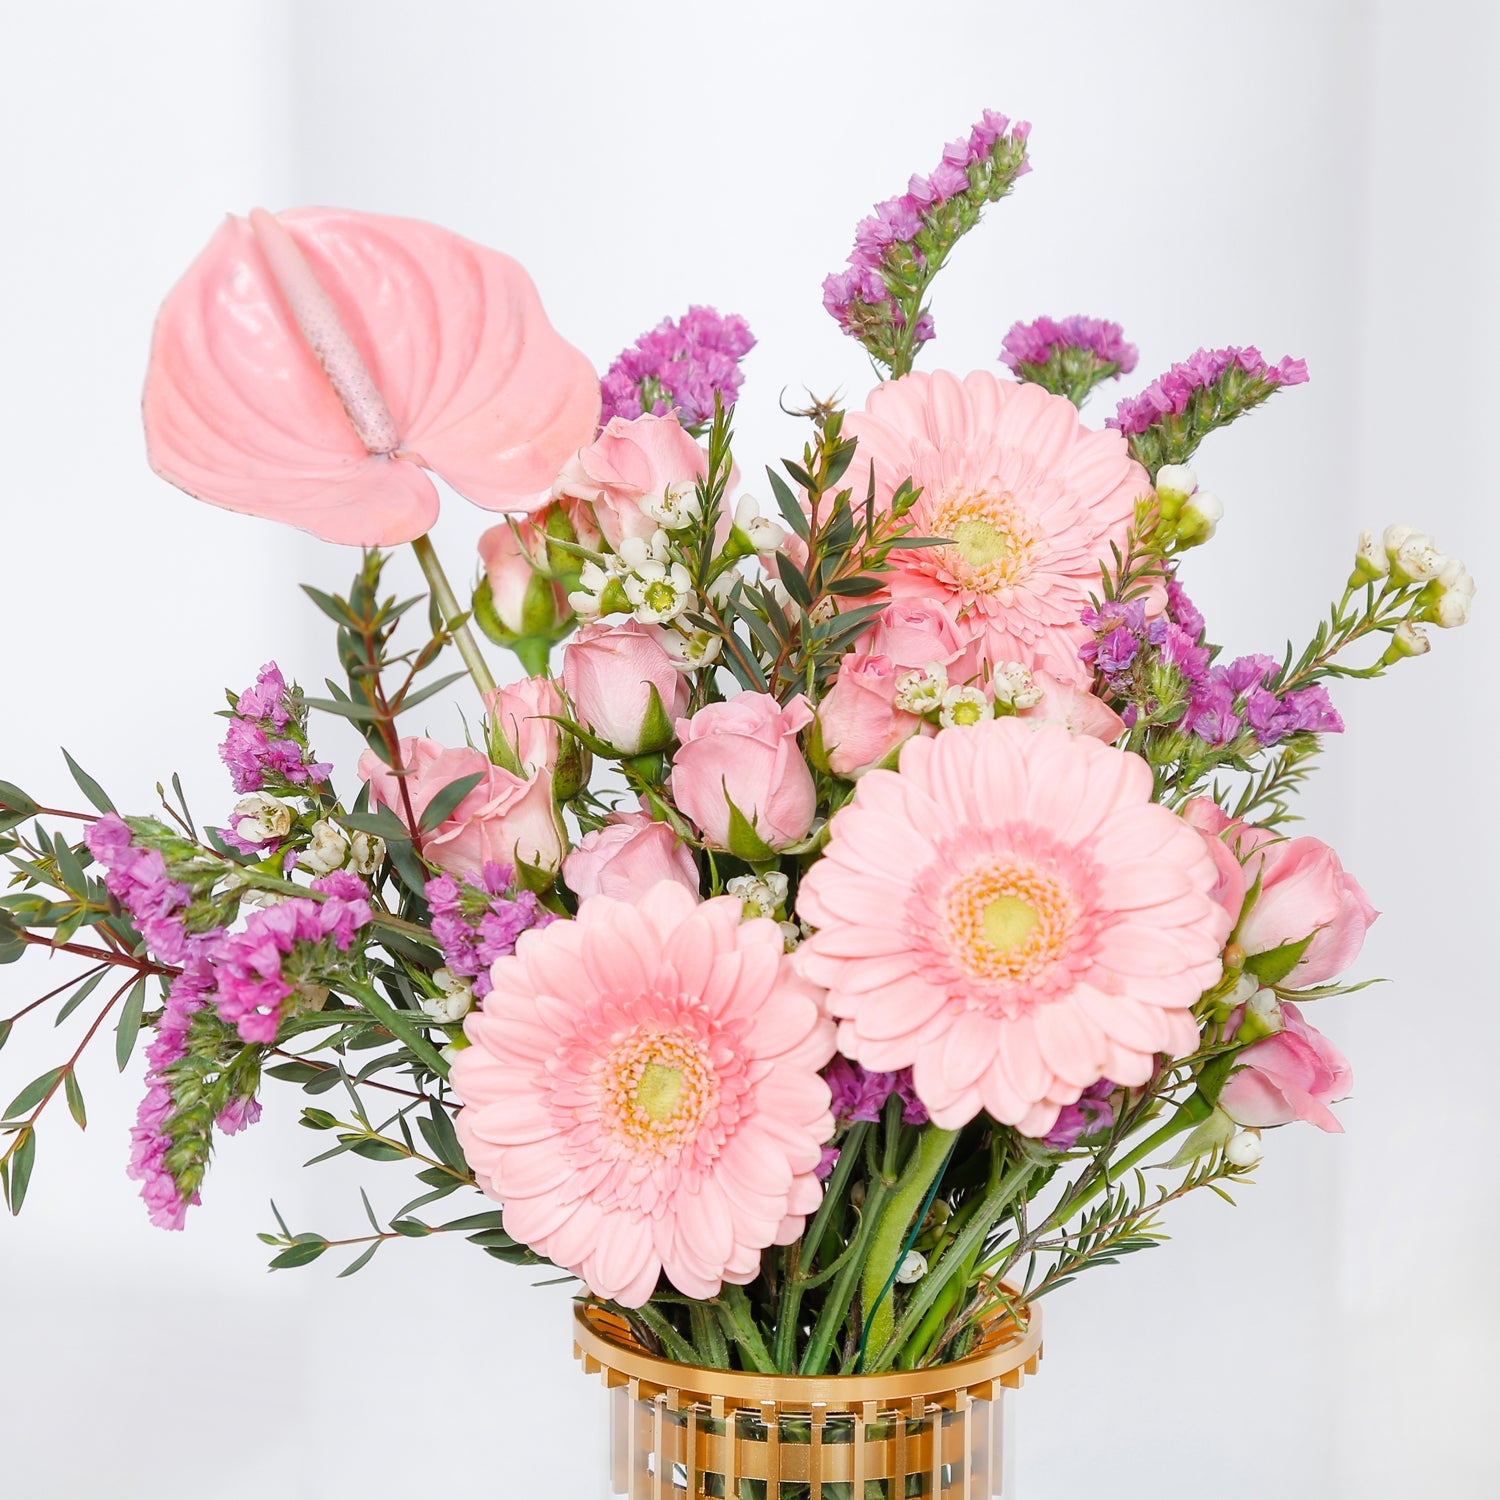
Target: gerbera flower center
1007	920
993	541
657	1089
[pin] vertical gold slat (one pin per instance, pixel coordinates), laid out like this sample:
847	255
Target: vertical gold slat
979	1446
619	1440
958	1477
997	1443
732	1450
815	1453
862	1419
935	1416
690	1452
659	1406
898	1452
770	1419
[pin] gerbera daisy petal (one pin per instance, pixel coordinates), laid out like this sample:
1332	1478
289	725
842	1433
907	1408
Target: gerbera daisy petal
1062	927
680	1114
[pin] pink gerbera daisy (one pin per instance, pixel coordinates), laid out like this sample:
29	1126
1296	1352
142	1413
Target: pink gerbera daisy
1011	916
642	1093
1031	498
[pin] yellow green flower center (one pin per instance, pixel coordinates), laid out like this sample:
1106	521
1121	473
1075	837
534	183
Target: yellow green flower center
657	1088
658	1091
992	541
1007	920
979	543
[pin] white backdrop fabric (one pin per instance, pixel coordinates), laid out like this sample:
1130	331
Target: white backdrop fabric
1314	178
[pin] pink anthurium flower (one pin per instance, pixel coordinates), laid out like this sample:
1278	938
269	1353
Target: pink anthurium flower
310	365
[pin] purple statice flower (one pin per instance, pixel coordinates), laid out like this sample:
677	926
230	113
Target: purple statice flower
138	880
1211	712
1247	672
1169	394
1304	709
859	1094
150	1137
1037	342
1094	1111
1116	652
679	365
933	212
1181	611
257	747
1121	630
248	965
475	925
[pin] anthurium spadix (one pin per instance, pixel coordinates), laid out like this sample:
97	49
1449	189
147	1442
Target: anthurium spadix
311	365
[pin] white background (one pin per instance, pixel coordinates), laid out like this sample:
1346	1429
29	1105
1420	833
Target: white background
1315	178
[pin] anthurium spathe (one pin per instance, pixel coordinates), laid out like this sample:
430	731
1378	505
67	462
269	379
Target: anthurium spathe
309	367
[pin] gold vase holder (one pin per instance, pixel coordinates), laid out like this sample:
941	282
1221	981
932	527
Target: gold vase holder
684	1432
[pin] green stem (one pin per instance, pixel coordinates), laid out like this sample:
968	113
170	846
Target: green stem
889	1244
1192	1111
672	1342
739	1324
452	613
801	1254
836	1305
952	1260
534	654
401	1024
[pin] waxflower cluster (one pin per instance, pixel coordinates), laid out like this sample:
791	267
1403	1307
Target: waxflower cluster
842	895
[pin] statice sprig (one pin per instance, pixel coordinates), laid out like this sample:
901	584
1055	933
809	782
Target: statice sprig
683	365
1165	422
1068	358
905	242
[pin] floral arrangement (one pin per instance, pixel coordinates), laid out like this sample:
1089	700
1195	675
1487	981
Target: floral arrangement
868	912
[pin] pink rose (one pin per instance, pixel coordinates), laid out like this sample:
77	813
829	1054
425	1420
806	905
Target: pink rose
626	463
609	672
526	713
628	856
1079	712
858	721
1304	890
916	632
745	752
1294	1074
504	819
523	601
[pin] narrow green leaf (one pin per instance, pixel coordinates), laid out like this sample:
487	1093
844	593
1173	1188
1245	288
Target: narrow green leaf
441	1137
128	1027
491	1220
793	581
295	1072
382	822
317	1119
403	1025
5	1027
360	712
34	1093
69	868
299	1255
377	1150
335	609
14	800
786	503
361	1260
491	1239
413	1229
364	1198
75	1099
422	694
21	1165
88	786
438	811
78	996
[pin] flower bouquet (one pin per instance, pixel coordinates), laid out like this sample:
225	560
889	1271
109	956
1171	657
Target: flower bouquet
871	909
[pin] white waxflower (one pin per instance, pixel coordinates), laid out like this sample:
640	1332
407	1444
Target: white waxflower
921	690
1371	557
793	934
1200	516
1419	558
913	1268
762	896
261	817
963	705
721	588
1455	596
326	851
637	551
1410	640
366	853
690	649
676	508
824	610
1176	479
593	578
1013	683
1245	1150
455	1001
658	591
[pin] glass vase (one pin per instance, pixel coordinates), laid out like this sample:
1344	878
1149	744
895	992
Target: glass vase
682	1432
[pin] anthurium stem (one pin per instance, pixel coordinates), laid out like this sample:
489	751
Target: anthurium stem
452	613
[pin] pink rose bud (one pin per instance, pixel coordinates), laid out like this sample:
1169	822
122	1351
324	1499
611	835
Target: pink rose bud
1305	896
518	603
624	687
629	856
914	633
504	818
743	756
628	462
525	714
1293	1075
858	721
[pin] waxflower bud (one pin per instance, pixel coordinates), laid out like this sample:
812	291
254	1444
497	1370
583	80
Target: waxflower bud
1406	640
1014	684
921	691
1174	483
326	850
1449	596
1371	561
912	1269
1245	1150
366	853
675	509
1199	519
763	896
454	1000
1418	558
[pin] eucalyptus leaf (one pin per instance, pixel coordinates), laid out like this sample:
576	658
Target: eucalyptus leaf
438	811
88	786
34	1093
128	1027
